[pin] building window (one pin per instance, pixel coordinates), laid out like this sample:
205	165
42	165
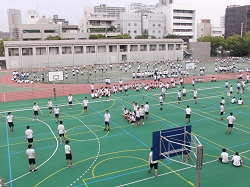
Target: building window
135	31
159	31
159	25
153	31
129	24
135	24
153	25
129	31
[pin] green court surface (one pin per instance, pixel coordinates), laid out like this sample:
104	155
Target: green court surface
120	157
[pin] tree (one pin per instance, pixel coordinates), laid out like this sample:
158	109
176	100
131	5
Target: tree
217	43
143	36
123	36
53	38
237	45
2	46
96	36
171	36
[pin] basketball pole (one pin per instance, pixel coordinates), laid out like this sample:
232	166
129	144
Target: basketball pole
54	89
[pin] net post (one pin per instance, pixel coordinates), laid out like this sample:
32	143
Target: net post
199	164
54	90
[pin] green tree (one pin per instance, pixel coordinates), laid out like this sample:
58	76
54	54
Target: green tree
247	39
123	36
96	36
143	36
171	36
2	46
217	43
53	38
237	45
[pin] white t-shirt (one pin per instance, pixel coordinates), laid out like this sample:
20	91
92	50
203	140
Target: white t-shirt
233	100
236	160
142	111
240	102
85	102
231	119
70	98
107	117
195	93
67	149
9	118
50	103
29	133
56	110
146	107
188	110
221	108
161	99
223	101
224	156
151	158
35	107
30	153
60	129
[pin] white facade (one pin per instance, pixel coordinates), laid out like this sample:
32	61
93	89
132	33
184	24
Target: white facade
14	19
32	17
134	6
222	21
131	23
204	28
180	20
79	52
218	31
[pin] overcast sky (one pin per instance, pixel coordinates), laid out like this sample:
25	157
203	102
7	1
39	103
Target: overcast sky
72	10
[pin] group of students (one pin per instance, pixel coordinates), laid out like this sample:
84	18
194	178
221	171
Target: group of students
236	159
138	115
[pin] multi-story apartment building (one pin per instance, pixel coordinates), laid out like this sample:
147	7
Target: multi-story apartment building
14	20
134	6
110	10
32	17
180	20
204	28
237	20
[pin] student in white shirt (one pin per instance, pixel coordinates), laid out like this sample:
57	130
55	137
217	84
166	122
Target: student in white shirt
195	96
222	111
29	135
231	119
152	163
35	109
236	160
30	152
233	101
240	102
70	101
57	112
107	117
146	107
9	119
85	105
61	131
188	114
161	101
50	105
69	154
224	156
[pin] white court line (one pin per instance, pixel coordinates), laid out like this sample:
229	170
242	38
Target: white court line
205	117
172	172
45	160
96	157
46	107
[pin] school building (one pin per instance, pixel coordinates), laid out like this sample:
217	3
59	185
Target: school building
59	53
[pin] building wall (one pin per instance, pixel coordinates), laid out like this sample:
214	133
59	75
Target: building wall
14	18
200	50
134	6
237	20
131	23
204	28
70	52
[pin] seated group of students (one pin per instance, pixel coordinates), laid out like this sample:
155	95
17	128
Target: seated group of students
224	158
137	115
239	102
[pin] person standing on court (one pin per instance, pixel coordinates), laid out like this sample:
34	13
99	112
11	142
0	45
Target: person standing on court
161	101
30	152
152	163
85	105
50	105
35	109
9	119
29	135
70	101
69	154
195	96
57	112
188	114
231	119
107	118
222	111
146	107
184	92
61	131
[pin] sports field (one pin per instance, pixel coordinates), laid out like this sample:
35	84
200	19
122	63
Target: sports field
120	157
